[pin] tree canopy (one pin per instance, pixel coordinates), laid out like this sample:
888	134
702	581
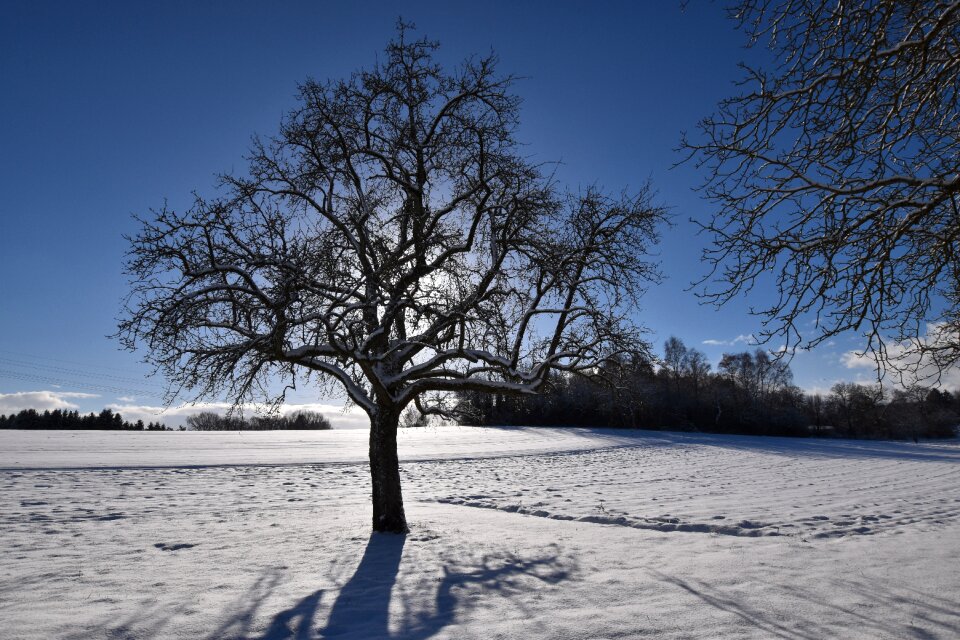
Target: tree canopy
836	171
392	239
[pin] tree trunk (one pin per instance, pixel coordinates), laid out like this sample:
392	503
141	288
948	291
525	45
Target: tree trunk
388	513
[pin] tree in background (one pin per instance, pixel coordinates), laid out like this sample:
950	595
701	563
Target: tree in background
856	406
866	411
759	392
209	421
674	357
303	420
684	371
106	420
837	169
696	367
392	239
750	393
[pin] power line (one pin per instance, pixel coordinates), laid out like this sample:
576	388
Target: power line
45	368
85	365
103	388
33	368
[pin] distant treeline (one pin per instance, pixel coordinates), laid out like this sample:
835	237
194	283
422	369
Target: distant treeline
106	420
299	420
750	393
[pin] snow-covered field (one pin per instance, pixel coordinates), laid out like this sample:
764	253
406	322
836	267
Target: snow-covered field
517	533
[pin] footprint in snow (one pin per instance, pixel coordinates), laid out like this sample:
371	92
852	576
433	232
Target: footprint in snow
163	546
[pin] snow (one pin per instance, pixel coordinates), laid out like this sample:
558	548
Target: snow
516	533
82	449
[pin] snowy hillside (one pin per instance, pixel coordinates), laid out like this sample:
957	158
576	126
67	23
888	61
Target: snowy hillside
517	533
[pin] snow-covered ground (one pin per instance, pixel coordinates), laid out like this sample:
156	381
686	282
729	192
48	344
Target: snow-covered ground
517	533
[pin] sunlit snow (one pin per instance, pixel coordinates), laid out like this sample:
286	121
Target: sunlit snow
516	533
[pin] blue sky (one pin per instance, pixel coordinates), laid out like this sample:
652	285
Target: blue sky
109	108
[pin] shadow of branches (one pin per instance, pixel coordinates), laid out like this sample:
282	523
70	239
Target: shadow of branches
925	615
362	607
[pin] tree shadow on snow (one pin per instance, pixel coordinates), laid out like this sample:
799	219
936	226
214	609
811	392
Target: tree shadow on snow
462	586
943	451
922	615
238	624
362	607
149	621
947	450
295	622
365	598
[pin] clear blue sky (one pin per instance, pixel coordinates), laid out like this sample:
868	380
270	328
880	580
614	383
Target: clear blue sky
107	108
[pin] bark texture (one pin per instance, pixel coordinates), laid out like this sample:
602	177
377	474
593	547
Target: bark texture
388	515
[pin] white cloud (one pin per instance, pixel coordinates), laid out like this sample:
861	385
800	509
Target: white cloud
127	399
818	390
857	360
41	400
744	338
353	418
906	365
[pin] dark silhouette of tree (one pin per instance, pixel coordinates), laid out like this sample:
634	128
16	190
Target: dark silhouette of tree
760	396
106	420
815	410
674	357
304	420
866	411
837	173
858	409
394	240
685	398
696	368
307	420
209	421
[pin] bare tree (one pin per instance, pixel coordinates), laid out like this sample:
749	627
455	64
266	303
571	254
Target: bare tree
758	374
859	407
837	172
815	409
391	240
674	357
696	367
